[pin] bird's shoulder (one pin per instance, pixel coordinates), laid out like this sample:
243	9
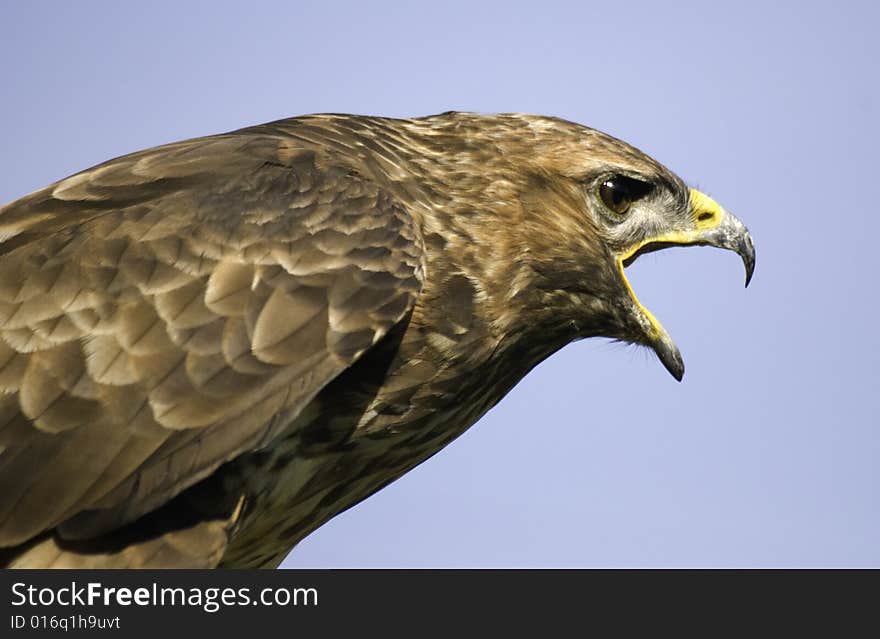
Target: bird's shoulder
164	311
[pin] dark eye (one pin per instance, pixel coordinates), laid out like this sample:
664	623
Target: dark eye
619	192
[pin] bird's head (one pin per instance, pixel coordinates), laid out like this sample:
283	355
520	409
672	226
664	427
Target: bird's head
642	215
577	207
609	203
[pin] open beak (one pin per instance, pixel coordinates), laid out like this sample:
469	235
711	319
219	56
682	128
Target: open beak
711	225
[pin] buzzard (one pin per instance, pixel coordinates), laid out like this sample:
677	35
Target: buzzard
210	348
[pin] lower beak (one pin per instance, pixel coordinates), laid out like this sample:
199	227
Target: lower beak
712	226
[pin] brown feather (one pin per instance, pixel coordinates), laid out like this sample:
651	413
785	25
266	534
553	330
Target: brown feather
209	348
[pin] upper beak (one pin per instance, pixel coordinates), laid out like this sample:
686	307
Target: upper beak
720	228
711	225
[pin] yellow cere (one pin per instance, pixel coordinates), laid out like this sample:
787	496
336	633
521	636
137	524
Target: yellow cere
706	211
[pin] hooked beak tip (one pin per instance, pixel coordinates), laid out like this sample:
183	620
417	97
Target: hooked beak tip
748	256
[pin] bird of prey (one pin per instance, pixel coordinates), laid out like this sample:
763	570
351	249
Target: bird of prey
210	348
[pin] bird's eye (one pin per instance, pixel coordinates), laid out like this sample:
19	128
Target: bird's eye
619	192
615	196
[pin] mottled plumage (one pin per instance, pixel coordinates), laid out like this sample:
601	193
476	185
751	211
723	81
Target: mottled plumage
211	347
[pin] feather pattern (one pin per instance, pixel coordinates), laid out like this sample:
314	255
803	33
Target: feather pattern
163	296
209	348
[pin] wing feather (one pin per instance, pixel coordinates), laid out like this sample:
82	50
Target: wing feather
168	310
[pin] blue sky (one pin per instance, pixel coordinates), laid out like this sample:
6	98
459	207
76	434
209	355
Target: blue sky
766	454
